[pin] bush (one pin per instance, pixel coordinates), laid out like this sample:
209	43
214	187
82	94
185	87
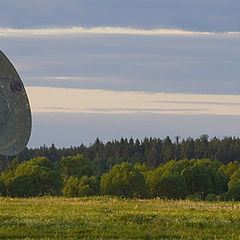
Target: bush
194	197
211	197
124	180
224	196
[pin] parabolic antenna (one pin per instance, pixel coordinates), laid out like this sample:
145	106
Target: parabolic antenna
15	113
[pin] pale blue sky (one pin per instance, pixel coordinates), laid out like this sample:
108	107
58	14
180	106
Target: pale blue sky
201	57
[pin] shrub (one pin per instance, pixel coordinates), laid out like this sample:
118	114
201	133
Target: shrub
223	197
211	197
194	197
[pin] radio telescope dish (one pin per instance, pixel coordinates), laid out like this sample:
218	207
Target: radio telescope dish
15	113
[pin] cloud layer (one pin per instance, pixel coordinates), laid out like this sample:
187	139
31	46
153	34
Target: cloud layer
111	102
13	32
177	62
195	15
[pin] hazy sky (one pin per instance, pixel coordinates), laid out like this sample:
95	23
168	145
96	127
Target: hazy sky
105	68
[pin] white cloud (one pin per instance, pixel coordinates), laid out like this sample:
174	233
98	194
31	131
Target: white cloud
46	99
13	32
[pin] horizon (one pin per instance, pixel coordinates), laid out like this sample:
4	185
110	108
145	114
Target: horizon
141	140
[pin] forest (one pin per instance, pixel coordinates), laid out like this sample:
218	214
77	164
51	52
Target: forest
202	168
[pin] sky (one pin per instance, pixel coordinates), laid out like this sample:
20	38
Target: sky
112	69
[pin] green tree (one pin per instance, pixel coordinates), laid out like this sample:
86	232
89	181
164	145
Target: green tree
154	157
201	147
142	168
124	180
234	191
86	186
76	166
71	187
36	177
187	148
166	181
167	150
152	179
10	170
2	188
205	176
100	166
172	187
235	177
230	168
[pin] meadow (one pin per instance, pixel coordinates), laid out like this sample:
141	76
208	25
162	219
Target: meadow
117	218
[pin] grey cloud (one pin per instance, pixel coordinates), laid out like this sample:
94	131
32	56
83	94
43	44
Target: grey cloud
131	63
202	15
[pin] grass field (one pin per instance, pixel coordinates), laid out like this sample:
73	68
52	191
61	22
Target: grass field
114	218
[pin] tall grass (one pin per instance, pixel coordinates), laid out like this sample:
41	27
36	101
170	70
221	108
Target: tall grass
115	218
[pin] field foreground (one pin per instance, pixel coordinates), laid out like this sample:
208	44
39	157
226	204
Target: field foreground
115	218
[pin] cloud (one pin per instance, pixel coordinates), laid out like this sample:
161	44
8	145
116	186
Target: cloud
159	63
111	102
12	32
197	15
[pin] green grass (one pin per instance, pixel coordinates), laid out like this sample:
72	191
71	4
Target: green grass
115	218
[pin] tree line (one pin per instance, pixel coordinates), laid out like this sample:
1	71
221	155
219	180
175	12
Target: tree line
193	168
150	151
195	179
